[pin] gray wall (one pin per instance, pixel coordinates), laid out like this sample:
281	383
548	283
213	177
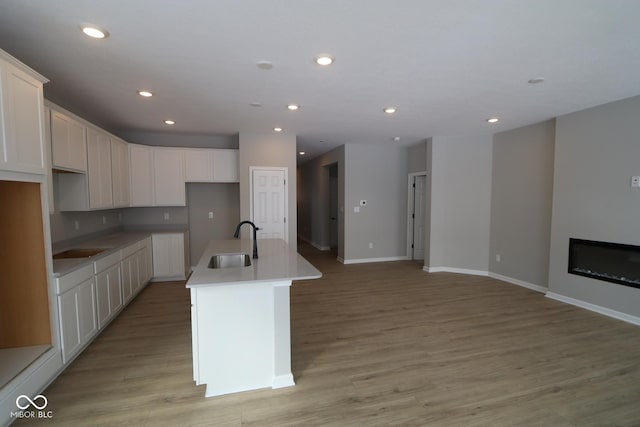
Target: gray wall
221	199
273	150
377	174
313	199
63	223
460	202
521	196
596	152
167	139
153	217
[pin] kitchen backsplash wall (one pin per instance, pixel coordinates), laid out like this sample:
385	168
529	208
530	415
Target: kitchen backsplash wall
70	225
150	217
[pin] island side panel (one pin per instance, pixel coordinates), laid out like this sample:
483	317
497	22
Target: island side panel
282	376
235	337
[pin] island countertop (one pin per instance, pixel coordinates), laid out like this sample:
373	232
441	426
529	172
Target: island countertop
276	262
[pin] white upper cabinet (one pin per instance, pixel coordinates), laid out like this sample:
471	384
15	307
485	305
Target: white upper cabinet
68	143
226	166
120	172
141	175
168	176
21	117
211	165
198	164
99	169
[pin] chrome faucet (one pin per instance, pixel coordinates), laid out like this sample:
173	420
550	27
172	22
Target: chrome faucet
255	238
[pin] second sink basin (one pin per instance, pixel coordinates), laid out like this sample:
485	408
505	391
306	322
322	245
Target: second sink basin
230	261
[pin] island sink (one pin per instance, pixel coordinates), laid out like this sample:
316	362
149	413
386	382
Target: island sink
230	261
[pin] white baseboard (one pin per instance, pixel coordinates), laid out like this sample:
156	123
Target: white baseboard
455	270
280	381
596	308
367	260
519	282
340	260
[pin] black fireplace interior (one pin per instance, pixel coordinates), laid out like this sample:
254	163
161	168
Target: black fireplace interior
611	262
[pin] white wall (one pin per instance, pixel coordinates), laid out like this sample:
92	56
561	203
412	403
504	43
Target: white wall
460	203
272	150
521	196
596	152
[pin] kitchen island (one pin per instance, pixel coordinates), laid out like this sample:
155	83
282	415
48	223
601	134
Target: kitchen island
240	321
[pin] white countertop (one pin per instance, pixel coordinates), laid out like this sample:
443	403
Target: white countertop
111	242
276	262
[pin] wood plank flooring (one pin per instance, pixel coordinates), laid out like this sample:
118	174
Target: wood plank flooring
373	345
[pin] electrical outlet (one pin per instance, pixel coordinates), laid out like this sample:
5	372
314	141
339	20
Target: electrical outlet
166	216
370	245
498	258
104	219
119	216
76	224
210	214
635	181
356	209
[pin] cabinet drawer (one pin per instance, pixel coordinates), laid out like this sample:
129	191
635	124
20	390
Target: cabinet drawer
73	279
106	262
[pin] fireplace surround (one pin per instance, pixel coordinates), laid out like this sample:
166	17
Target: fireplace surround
611	262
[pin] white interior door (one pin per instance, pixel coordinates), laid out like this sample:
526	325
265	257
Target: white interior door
419	206
269	199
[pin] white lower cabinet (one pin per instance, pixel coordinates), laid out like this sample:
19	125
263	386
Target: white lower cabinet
170	256
91	296
108	287
77	308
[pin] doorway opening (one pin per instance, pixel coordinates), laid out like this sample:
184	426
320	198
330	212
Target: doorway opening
417	216
333	207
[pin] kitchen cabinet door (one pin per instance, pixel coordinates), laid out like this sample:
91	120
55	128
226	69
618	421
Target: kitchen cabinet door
120	173
99	169
68	143
168	256
109	294
77	318
198	165
22	118
69	324
127	281
141	175
226	166
168	177
87	319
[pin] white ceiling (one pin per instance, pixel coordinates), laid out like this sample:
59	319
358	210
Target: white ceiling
446	65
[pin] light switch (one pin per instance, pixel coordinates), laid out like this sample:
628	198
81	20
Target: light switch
211	215
166	216
356	209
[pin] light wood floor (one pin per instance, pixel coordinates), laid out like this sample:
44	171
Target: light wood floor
373	345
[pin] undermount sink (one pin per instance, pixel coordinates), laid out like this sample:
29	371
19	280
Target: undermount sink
79	253
230	261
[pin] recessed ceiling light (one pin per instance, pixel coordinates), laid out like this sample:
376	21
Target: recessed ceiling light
256	104
390	110
145	93
396	138
536	80
169	122
324	60
302	153
277	129
265	65
493	120
293	107
94	32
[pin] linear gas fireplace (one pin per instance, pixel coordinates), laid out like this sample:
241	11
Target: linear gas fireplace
611	262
